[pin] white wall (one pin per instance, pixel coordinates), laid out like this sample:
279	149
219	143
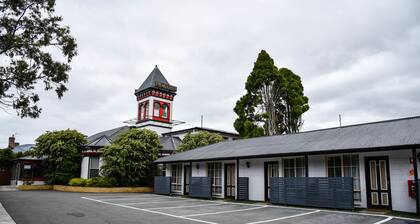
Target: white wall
399	168
21	182
85	167
255	173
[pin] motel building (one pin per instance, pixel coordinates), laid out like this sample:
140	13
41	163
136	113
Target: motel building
370	165
154	99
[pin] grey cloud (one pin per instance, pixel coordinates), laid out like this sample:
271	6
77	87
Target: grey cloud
357	58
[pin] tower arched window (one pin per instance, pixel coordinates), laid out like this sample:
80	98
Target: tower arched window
146	110
141	111
156	109
165	111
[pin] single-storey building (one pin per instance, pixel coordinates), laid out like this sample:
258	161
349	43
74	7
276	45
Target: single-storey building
27	170
380	157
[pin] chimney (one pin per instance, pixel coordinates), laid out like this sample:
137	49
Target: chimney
12	143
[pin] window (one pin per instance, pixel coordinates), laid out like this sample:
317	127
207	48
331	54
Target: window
294	167
93	167
176	176
156	109
141	112
214	170
146	110
346	166
165	111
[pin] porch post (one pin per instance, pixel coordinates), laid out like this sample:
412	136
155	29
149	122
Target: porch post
306	166
190	171
237	178
416	178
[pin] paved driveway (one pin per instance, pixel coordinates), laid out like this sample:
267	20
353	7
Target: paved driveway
58	207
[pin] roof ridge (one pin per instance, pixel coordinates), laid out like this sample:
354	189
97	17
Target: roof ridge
331	128
361	124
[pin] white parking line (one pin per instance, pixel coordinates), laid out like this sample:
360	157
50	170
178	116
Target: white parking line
151	202
188	206
151	211
222	212
285	217
126	198
383	221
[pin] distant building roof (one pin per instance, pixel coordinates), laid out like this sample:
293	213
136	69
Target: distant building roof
154	79
195	129
393	134
105	138
169	143
31	158
23	148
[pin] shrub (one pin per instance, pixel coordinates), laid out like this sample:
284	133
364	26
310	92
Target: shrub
77	182
100	182
129	159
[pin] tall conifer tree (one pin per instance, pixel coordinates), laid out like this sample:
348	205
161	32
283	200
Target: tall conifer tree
274	101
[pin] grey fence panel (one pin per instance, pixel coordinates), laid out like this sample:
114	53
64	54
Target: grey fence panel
324	192
243	188
200	187
162	185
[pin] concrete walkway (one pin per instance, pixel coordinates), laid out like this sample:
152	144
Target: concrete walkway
8	188
5	217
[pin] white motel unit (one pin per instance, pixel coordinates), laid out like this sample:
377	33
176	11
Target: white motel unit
381	157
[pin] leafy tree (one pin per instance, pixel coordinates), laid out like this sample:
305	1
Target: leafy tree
30	34
274	101
6	157
295	103
129	159
199	139
62	151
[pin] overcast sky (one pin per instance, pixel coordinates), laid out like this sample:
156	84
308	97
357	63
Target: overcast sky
360	59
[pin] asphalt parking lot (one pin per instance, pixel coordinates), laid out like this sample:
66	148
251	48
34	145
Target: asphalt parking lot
59	207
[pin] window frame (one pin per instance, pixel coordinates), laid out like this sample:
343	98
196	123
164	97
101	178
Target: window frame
156	109
176	180
356	187
90	175
215	173
295	167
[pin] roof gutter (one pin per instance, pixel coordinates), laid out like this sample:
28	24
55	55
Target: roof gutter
354	150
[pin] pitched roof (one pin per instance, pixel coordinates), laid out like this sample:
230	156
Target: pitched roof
100	142
169	143
104	138
23	148
110	135
187	130
154	76
404	133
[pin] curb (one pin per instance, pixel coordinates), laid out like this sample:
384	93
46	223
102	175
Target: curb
103	189
5	217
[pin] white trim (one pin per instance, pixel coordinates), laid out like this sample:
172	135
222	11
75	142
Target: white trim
151	211
223	212
383	221
286	217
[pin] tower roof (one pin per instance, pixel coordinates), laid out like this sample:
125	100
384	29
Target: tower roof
156	80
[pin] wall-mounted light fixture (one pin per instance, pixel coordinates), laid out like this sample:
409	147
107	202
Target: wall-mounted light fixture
197	165
248	164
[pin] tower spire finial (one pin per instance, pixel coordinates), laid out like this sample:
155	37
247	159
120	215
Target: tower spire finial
155	66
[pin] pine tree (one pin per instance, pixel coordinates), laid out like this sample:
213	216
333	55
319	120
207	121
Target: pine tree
274	101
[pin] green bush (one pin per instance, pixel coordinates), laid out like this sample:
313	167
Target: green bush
100	182
77	182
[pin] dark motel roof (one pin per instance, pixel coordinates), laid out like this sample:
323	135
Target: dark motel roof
401	133
105	138
154	80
